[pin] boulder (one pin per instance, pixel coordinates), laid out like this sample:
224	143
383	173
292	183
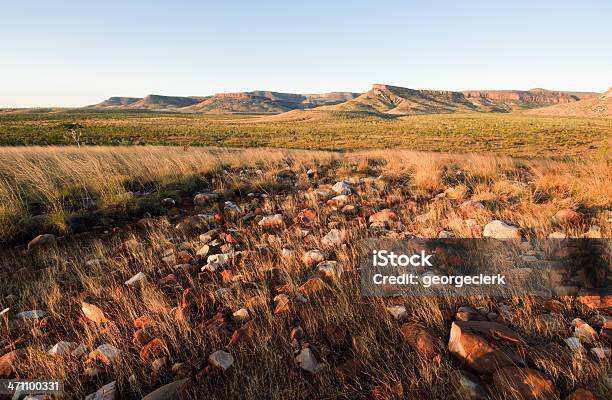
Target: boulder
485	346
500	230
105	353
272	221
526	382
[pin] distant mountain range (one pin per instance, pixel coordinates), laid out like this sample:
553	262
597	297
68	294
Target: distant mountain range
381	99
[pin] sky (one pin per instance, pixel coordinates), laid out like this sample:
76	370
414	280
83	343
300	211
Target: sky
60	53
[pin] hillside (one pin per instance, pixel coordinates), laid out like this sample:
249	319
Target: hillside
403	101
598	106
157	102
238	103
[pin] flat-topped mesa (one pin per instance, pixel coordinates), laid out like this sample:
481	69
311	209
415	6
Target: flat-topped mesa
539	96
237	96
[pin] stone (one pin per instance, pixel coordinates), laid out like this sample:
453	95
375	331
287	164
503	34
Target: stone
221	359
584	331
330	269
170	391
202	199
209	236
471	208
241	315
419	338
272	221
203	251
485	346
7	362
500	230
30	315
283	304
574	344
568	216
339	201
243	336
153	349
557	235
168	202
465	313
105	353
342	187
217	260
93	313
313	257
582	394
287	253
106	392
398	312
136	279
62	348
601	353
383	216
79	351
305	218
42	241
312	286
467	386
308	362
529	383
335	237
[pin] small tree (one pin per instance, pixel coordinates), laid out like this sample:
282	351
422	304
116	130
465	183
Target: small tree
76	131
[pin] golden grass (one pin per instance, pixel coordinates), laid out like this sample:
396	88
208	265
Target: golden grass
55	280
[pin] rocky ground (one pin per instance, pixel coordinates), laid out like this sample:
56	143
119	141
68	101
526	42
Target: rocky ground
254	293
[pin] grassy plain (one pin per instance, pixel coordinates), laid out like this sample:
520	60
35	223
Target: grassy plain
507	134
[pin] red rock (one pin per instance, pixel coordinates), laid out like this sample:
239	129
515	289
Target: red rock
312	286
143	336
152	350
283	306
305	218
582	394
141	322
553	306
385	215
485	346
243	336
568	216
7	362
93	313
419	338
526	382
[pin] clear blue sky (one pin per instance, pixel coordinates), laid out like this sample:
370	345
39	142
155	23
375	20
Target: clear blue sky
76	53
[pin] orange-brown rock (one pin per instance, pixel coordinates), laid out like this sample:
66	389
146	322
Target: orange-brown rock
152	350
526	382
385	215
243	336
305	218
485	346
568	216
582	394
419	338
7	362
312	286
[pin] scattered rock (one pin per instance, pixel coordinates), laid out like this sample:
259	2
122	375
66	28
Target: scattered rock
202	199
472	209
313	257
308	362
171	391
136	279
485	346
419	338
30	315
241	315
500	230
467	386
529	383
335	237
272	221
398	312
41	241
221	359
568	216
7	362
383	216
342	187
312	286
106	392
62	348
93	313
105	353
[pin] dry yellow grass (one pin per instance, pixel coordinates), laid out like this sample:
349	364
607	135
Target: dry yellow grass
525	192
